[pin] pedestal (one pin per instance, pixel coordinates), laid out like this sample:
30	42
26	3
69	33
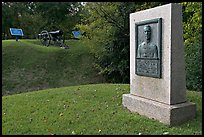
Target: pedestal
167	114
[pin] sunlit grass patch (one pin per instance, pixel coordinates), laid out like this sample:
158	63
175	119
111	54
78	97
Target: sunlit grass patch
85	109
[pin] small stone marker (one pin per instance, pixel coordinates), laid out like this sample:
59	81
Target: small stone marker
157	66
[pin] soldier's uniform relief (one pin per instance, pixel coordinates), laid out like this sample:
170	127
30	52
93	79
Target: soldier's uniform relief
148	47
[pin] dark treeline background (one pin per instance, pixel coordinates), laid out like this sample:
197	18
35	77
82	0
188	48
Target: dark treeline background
105	25
33	17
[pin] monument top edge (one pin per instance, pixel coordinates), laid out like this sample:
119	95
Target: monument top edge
157	8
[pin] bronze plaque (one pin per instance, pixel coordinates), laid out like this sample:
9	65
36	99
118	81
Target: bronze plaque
148	36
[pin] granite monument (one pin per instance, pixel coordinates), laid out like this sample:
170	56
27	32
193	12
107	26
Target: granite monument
157	66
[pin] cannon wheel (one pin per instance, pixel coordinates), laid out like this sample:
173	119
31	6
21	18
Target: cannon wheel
45	38
61	42
63	45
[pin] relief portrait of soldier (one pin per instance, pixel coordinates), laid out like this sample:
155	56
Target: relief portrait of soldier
146	49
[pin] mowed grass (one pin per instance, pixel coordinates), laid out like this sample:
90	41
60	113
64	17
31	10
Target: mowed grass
29	66
94	109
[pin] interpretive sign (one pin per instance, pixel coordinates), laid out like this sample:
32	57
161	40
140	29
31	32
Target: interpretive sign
76	34
16	32
148	48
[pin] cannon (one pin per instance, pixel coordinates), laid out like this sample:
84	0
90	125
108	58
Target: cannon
53	37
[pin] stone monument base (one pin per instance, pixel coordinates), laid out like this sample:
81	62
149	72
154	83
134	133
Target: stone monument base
167	114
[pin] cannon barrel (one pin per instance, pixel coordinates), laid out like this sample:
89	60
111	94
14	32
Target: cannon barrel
56	33
53	33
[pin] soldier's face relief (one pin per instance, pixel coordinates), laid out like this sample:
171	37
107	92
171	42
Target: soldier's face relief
147	32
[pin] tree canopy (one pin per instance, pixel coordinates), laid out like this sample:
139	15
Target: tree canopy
33	17
106	26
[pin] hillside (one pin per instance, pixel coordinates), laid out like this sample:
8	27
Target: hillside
28	66
61	104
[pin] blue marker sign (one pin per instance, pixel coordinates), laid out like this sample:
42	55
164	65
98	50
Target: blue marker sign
16	32
76	34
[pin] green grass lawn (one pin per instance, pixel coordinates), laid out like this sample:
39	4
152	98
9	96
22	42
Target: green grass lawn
72	100
85	109
29	66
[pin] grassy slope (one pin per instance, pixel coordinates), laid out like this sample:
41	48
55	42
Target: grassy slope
85	109
27	66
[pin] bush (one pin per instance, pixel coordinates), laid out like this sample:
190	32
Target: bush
192	24
193	58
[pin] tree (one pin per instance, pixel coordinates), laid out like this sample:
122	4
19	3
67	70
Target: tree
192	24
33	17
13	15
106	24
9	18
59	15
31	24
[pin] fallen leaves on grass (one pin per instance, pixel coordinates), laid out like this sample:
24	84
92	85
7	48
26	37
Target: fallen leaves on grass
73	133
45	119
51	132
165	133
61	114
31	120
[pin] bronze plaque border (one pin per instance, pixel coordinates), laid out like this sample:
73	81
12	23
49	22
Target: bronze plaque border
159	41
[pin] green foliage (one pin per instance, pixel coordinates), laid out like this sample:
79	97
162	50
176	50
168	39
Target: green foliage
94	109
59	15
192	23
101	25
106	24
33	17
192	19
193	56
28	22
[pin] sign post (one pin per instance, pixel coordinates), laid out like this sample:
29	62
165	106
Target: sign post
16	32
16	38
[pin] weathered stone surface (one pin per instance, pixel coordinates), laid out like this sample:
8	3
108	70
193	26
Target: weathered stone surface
173	73
167	114
168	93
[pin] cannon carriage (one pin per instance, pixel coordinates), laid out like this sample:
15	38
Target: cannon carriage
54	37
